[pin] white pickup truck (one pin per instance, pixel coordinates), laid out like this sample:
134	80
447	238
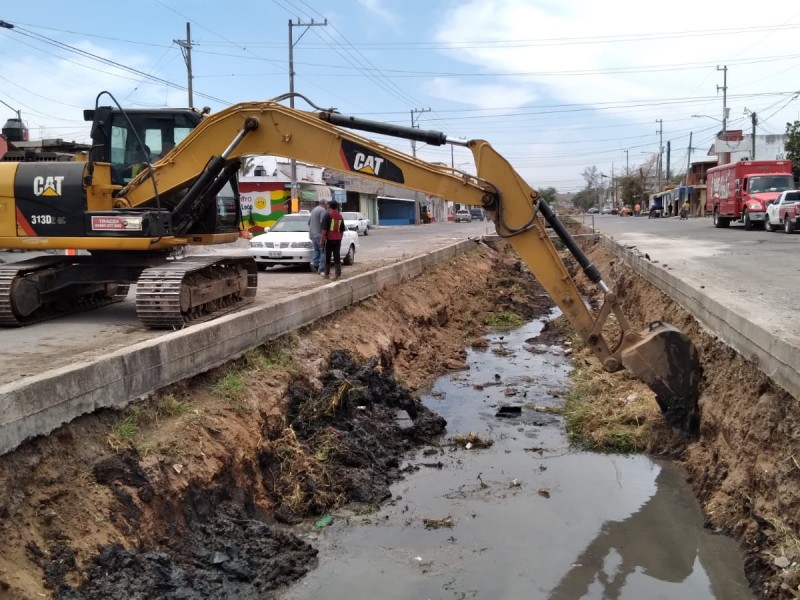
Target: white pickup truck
784	212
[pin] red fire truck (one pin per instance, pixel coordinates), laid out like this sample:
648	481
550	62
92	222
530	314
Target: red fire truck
740	191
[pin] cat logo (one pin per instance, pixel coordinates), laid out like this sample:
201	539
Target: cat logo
367	164
360	159
47	186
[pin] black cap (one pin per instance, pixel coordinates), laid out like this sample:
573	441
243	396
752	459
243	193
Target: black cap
333	204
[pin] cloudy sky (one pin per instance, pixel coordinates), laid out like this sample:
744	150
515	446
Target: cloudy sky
554	85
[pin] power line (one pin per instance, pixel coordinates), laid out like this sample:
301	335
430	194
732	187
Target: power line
532	42
108	62
404	73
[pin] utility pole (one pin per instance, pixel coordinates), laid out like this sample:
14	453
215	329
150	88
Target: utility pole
627	170
669	147
293	163
613	188
754	121
186	50
414	124
660	133
689	158
724	89
414	120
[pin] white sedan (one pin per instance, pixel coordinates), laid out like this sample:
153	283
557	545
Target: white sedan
287	243
356	221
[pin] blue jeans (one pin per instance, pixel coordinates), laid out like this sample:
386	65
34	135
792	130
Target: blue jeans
317	256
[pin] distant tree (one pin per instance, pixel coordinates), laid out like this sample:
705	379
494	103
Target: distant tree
548	194
247	166
632	188
793	146
586	198
592	176
677	178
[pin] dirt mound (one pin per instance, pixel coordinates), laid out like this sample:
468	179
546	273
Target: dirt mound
343	443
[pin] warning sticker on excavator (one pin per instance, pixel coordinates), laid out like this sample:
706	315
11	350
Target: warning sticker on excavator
116	223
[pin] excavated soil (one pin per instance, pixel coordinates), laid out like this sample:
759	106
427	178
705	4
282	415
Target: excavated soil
203	491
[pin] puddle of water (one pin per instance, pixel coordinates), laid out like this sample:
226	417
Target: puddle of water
532	517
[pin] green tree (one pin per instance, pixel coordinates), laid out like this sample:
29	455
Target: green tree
548	194
792	146
585	199
632	188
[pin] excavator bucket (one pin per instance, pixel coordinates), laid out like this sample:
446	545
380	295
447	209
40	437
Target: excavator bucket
667	361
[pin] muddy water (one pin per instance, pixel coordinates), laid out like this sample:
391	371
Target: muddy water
531	517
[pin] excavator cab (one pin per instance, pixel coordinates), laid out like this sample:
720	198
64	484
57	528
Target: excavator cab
134	137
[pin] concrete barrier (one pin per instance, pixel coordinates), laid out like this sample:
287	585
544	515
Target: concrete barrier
37	405
777	358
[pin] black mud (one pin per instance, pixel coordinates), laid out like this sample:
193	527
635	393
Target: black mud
224	558
342	443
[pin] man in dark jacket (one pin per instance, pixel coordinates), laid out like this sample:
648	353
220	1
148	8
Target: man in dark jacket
331	239
315	233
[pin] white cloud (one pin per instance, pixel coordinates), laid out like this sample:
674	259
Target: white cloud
481	95
378	8
517	22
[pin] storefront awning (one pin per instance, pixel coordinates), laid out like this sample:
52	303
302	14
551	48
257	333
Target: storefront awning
311	192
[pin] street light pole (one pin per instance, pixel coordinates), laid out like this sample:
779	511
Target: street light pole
602	176
724	89
16	110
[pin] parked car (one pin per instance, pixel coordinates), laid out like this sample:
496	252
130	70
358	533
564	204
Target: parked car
477	213
784	212
593	210
356	221
463	216
287	243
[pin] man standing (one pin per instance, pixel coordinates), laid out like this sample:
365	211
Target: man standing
331	239
314	232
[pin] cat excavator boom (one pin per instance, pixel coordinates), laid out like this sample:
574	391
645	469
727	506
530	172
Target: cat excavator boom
168	199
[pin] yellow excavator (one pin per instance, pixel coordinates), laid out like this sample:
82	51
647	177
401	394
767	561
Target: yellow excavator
132	223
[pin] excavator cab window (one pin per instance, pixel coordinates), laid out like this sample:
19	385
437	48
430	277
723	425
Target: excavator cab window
114	140
159	132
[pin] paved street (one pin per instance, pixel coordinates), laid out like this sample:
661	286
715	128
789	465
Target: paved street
755	272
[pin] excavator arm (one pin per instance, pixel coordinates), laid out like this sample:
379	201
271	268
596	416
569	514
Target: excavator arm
662	357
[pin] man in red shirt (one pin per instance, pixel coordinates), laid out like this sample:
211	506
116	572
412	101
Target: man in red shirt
331	239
